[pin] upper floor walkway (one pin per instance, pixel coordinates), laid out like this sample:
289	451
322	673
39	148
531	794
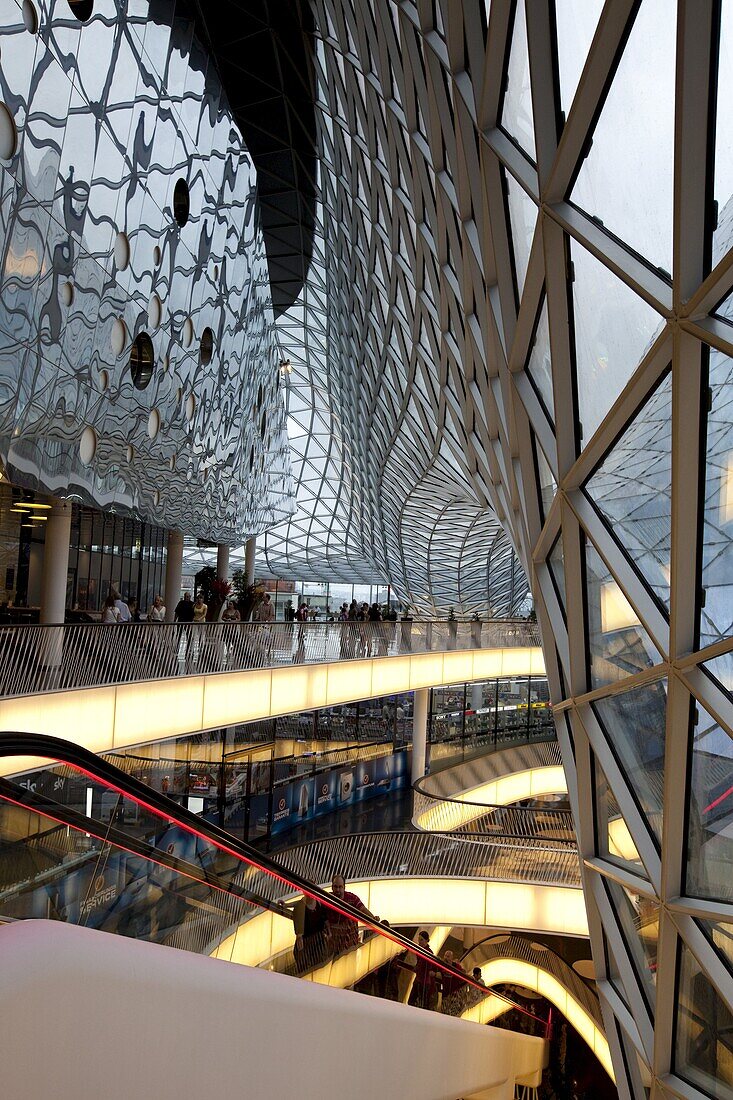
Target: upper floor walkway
110	687
57	658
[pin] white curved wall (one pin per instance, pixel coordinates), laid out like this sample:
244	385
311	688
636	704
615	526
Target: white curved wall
87	1015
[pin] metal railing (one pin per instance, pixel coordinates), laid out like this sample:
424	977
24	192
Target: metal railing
517	947
54	658
439	804
453	781
480	819
440	855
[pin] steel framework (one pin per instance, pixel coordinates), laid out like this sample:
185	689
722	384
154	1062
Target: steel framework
544	189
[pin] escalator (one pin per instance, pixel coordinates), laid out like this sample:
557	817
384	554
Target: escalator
84	843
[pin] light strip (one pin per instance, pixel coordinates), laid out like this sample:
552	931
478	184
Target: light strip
528	976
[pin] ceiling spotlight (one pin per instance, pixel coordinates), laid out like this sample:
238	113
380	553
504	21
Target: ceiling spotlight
285	367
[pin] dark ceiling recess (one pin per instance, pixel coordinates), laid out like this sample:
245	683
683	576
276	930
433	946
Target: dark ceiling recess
264	52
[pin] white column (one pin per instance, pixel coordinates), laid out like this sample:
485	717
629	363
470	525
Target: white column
419	732
249	559
222	562
56	562
173	571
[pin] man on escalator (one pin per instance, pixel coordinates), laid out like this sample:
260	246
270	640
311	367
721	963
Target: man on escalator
342	932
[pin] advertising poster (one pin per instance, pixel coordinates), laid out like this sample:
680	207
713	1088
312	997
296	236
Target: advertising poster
88	896
326	787
281	808
365	780
345	786
302	799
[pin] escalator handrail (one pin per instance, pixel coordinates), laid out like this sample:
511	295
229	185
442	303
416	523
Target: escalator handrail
57	750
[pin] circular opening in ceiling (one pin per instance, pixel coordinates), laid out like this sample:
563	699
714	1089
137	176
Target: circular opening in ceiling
87	445
122	251
172	462
251	457
142	361
216	271
181	202
8	134
207	347
157	255
156	497
187	334
30	17
130	452
67	293
81	9
190	406
103	380
155	311
259	398
153	423
263	426
118	336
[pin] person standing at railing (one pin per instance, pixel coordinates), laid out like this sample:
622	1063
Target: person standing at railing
123	609
264	613
156	613
110	614
375	629
200	609
183	614
301	617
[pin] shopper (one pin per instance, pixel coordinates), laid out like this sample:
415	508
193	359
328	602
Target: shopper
199	609
309	918
110	613
156	613
342	932
122	608
231	613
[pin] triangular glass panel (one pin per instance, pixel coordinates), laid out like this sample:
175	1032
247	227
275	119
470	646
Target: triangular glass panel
638	919
632	488
720	934
720	669
522	219
723	183
703	1048
724	309
626	179
614	328
612	971
709	853
516	113
635	729
618	643
546	479
539	367
576	22
615	841
557	572
716	616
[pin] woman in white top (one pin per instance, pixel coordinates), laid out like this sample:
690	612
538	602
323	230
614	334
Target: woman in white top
110	614
156	614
